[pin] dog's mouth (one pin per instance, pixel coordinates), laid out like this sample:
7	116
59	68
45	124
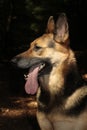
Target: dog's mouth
31	85
40	67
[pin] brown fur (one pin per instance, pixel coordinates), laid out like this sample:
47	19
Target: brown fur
62	93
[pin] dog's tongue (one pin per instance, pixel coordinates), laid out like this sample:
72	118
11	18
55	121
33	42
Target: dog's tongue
31	85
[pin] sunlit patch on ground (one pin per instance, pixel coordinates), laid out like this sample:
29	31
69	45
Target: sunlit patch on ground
18	113
19	106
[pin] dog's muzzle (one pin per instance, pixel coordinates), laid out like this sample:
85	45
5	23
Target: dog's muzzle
36	67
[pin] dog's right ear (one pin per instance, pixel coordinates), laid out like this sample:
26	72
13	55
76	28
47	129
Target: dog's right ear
61	29
50	25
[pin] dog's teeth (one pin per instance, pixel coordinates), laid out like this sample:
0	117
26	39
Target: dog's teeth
26	76
42	65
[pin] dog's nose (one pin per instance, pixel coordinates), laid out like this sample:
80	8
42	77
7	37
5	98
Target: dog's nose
20	62
14	60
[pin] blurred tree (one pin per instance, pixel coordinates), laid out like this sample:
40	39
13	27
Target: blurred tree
39	11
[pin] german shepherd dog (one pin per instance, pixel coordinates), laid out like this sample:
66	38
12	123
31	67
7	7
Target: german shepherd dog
54	76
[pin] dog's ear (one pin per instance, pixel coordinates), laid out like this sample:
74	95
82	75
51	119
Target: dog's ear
50	25
61	34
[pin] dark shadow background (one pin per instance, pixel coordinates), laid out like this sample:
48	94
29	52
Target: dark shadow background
21	21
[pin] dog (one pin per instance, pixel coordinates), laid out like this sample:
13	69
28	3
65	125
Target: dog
53	74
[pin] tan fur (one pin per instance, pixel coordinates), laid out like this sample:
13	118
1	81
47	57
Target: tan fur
76	97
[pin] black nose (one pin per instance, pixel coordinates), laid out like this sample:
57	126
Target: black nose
14	60
20	62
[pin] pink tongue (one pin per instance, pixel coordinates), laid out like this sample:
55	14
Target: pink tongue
31	85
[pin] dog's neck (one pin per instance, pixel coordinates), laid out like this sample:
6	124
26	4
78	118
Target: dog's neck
73	83
73	80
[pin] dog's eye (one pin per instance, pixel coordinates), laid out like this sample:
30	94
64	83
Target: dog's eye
36	48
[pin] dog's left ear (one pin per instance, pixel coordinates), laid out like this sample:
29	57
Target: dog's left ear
50	25
61	34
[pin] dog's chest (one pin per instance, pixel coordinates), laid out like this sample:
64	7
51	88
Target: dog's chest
61	122
68	125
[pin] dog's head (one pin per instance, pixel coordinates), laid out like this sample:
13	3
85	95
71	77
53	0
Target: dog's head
45	52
